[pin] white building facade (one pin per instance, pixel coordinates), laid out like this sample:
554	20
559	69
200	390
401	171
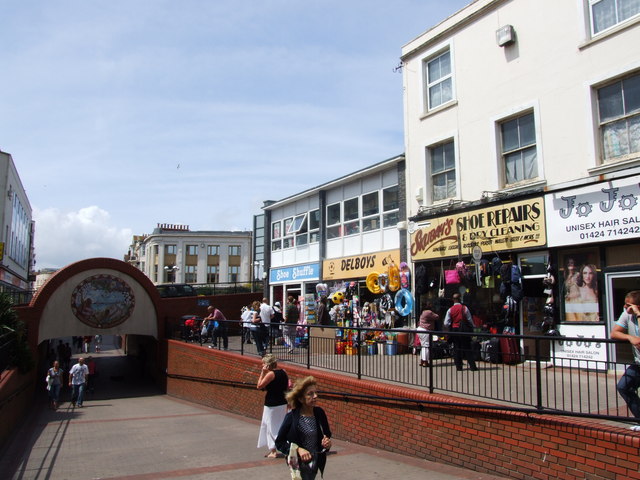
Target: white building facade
174	254
17	258
323	234
522	136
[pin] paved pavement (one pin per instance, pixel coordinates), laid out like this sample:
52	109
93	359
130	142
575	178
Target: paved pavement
127	430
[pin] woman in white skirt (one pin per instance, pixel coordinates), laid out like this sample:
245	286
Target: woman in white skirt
275	382
426	324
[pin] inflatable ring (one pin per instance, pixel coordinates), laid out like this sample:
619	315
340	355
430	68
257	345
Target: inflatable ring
383	282
394	278
372	283
404	294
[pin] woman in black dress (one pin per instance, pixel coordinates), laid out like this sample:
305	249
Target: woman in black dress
275	382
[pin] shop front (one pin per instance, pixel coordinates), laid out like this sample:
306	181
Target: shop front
594	237
473	253
298	281
366	291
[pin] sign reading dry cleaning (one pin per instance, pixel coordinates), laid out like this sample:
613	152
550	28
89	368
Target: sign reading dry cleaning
501	227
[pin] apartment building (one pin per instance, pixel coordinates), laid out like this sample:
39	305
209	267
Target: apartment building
16	241
175	254
522	136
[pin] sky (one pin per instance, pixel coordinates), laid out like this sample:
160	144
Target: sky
125	114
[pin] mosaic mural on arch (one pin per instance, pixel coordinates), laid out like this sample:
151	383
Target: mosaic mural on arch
102	301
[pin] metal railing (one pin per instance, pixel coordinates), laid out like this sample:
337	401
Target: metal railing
548	378
19	297
229	287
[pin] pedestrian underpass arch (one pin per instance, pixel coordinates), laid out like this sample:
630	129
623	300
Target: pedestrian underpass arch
98	295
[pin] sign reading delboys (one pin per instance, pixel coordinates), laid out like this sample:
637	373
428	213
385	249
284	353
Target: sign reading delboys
359	266
597	213
505	226
298	273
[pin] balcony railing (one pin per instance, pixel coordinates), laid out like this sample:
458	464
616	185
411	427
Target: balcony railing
545	379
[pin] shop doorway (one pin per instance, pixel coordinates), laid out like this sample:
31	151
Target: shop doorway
618	284
533	266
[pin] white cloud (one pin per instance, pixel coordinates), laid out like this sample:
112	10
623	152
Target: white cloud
65	237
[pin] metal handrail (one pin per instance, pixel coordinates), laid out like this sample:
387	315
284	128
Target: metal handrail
542	383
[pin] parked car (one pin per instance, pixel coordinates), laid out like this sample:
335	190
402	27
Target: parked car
170	290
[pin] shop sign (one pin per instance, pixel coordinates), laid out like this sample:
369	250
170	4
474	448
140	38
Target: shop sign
598	213
359	266
506	226
296	273
579	353
12	280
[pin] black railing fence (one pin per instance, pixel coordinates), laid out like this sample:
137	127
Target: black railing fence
19	297
548	376
229	287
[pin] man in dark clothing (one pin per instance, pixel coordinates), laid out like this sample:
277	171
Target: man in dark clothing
458	319
323	312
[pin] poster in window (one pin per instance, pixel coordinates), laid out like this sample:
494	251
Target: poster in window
579	292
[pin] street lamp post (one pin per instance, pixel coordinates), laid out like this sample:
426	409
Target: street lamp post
256	273
171	272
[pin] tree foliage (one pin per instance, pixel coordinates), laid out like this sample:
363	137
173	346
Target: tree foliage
14	336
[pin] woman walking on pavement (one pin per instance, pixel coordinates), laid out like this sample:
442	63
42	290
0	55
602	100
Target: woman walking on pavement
305	435
54	384
275	382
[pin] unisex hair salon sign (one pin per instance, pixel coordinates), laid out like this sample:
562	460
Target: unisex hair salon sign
596	213
506	226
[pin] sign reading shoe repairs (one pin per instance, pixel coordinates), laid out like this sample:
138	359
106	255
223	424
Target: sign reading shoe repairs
597	213
359	266
505	226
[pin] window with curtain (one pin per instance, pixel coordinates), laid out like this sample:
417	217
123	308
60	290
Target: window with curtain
351	216
609	13
276	234
390	207
370	211
519	152
334	229
439	80
443	171
314	226
619	117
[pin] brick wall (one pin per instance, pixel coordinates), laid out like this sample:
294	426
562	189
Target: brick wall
16	397
506	443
